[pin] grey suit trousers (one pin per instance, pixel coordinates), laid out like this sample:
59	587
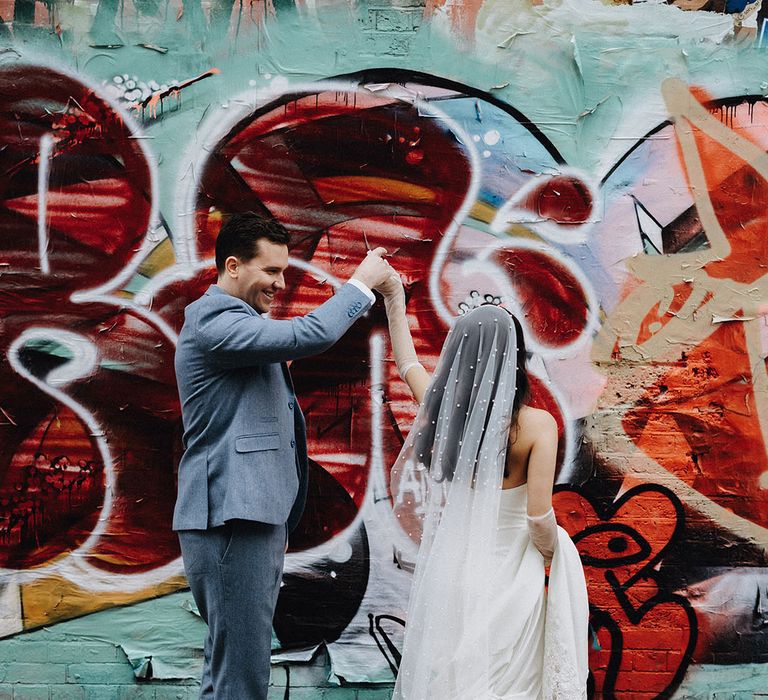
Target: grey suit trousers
234	572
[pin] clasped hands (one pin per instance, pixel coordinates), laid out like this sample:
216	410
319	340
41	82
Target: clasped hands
376	273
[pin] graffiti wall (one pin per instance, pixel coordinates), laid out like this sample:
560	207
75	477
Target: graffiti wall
599	168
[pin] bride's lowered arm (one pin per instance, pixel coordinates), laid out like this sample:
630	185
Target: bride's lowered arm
542	525
411	370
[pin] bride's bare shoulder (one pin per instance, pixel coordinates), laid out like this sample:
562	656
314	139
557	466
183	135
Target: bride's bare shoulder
536	420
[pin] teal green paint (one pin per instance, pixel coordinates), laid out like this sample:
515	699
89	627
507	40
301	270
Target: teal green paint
34	673
96	656
705	680
579	87
160	628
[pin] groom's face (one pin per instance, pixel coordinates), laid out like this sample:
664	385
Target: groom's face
261	278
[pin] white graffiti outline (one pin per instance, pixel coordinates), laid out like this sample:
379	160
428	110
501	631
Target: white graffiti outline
298	561
559	234
510	298
245	104
83	364
43	172
72	565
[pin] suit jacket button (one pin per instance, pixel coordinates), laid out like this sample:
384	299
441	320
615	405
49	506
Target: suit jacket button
290	405
293	443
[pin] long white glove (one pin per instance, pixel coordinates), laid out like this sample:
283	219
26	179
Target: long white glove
543	532
399	332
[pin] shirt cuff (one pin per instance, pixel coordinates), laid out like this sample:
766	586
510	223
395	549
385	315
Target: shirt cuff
364	289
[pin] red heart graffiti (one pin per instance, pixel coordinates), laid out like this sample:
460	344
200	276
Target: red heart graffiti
646	633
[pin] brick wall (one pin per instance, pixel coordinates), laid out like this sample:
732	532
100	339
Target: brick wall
49	665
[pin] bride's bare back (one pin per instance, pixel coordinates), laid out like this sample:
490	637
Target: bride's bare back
532	456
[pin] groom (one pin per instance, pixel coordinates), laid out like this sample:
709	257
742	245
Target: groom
243	477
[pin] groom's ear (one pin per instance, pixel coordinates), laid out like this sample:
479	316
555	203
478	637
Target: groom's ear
232	267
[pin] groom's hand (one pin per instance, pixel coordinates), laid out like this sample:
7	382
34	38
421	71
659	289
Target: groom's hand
373	270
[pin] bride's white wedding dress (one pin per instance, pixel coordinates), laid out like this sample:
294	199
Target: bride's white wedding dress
537	637
536	634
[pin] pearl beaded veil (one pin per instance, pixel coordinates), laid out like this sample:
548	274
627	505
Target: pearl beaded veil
446	489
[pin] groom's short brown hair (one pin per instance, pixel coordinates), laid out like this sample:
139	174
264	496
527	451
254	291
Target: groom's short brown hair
240	235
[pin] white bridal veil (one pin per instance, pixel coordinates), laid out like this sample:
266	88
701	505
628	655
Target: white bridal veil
446	487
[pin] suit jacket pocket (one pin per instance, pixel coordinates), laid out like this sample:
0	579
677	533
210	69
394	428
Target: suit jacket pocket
257	443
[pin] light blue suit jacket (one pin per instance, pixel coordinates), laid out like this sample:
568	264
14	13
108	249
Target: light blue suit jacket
244	434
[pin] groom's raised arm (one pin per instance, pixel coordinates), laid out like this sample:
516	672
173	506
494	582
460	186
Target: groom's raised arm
232	335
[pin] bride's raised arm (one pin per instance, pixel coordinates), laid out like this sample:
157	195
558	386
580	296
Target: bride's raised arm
411	370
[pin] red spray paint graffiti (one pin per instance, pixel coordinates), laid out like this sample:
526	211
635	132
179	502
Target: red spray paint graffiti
95	206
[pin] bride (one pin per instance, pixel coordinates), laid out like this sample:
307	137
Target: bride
482	624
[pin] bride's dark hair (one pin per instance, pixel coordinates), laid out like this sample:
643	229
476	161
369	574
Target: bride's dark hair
476	362
522	383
